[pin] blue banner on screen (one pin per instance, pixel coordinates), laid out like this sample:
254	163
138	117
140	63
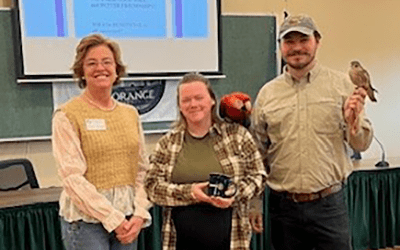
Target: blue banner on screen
123	18
45	18
190	18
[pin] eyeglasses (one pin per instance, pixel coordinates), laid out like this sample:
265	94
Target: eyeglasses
94	64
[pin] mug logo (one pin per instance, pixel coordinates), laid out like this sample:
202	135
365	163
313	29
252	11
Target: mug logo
144	95
221	185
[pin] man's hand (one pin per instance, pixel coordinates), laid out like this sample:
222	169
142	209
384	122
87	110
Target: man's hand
128	231
353	107
256	221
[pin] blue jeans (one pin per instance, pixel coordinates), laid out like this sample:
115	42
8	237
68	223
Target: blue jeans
319	225
80	235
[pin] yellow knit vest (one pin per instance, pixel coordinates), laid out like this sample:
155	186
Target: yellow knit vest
111	152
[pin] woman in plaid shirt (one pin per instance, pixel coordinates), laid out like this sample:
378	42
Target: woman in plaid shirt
200	143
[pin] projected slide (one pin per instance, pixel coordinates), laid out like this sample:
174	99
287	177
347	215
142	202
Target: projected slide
120	18
45	18
116	18
190	18
155	36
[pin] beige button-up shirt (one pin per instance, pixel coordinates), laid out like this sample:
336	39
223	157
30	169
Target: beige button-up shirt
302	133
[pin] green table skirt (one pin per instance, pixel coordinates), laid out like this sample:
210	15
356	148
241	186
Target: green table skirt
373	199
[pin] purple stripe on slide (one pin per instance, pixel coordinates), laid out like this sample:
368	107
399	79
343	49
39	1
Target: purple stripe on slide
59	18
178	18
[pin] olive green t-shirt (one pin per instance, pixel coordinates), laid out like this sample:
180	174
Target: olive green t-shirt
196	160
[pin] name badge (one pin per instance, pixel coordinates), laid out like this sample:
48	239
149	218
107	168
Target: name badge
95	124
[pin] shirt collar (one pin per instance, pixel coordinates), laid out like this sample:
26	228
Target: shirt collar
215	129
308	78
314	72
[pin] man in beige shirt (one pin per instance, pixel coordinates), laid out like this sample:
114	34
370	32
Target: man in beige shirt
305	122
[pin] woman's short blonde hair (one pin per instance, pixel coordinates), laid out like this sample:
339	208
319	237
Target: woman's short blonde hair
82	49
194	77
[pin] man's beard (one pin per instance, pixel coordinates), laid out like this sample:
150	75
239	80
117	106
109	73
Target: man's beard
300	66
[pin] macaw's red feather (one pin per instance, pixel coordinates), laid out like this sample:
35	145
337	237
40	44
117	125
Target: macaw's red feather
233	107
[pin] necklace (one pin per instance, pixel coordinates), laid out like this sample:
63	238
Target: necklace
90	101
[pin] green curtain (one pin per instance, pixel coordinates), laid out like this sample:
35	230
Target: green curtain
373	199
33	227
150	237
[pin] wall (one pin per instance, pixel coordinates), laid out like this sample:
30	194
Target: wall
367	30
6	3
40	154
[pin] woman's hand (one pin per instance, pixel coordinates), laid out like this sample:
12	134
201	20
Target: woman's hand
120	230
199	195
198	192
221	202
128	231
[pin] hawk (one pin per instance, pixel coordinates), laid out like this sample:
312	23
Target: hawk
360	77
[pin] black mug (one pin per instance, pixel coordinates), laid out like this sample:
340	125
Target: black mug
221	185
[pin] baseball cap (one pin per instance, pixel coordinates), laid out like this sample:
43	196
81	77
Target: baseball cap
300	23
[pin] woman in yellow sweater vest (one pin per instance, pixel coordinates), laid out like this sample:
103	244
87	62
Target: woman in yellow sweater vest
98	144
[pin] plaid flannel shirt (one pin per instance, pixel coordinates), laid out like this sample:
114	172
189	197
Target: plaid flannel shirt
238	156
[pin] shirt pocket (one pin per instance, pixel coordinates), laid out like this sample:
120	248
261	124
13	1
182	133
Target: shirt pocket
327	116
279	122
